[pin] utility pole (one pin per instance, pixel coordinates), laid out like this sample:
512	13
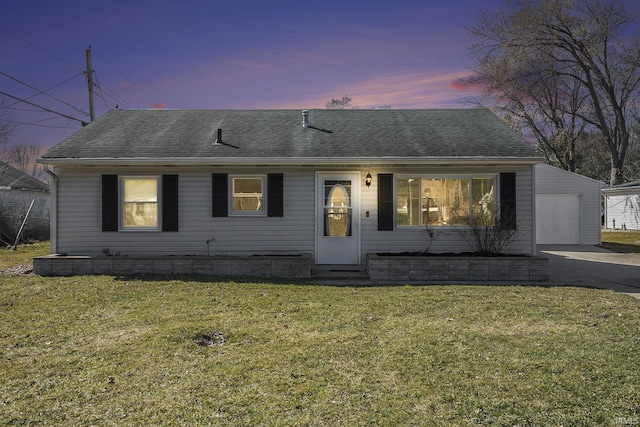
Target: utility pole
92	111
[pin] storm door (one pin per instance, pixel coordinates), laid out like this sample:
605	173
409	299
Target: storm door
337	218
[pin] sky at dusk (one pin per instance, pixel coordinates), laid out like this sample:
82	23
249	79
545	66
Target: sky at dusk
198	54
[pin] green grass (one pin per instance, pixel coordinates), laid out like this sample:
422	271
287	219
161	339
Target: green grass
621	241
23	254
112	351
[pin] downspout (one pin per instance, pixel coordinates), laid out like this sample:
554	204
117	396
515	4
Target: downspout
53	221
533	203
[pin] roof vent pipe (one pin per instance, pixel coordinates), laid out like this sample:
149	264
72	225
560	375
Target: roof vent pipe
305	118
219	138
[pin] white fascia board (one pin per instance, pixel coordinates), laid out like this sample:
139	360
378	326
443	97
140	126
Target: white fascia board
290	161
621	190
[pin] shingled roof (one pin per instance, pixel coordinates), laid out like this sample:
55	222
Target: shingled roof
279	134
14	179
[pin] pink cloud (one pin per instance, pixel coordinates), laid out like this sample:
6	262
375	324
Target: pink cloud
464	84
160	105
401	90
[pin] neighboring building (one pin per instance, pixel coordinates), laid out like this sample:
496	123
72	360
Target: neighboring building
337	185
622	206
568	207
17	191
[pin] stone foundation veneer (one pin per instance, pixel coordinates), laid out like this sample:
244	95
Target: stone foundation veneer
379	267
287	267
457	268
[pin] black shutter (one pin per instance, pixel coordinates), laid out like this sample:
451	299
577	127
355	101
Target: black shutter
169	202
508	200
385	201
109	202
220	194
275	195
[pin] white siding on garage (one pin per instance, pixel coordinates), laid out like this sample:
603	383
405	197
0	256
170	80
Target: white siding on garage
559	219
552	184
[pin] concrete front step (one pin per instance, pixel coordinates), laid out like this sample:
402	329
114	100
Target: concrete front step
338	272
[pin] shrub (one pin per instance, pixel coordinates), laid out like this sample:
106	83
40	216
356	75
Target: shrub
488	237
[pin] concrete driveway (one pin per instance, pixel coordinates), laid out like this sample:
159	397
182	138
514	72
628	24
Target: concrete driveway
594	267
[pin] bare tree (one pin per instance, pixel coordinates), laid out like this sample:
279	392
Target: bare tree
581	58
537	101
339	104
594	156
24	158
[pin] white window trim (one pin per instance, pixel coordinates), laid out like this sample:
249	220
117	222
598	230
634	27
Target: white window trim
121	180
396	177
261	212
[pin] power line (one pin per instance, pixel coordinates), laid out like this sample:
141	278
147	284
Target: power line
43	93
100	95
56	21
51	88
26	110
37	124
40	49
141	88
44	108
103	90
104	58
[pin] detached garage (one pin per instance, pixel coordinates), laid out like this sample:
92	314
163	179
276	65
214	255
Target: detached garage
568	207
622	206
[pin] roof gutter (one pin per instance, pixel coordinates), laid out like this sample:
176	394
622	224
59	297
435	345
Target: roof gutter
262	161
621	190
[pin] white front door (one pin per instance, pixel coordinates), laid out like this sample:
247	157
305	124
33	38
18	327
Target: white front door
338	218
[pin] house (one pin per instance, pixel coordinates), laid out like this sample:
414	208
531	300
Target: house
622	206
21	194
568	207
330	186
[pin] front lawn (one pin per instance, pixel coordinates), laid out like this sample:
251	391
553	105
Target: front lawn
23	254
621	241
112	351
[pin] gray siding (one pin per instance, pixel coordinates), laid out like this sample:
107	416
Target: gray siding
79	217
79	220
449	240
551	180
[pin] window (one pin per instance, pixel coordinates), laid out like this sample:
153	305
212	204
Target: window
483	201
247	193
337	208
139	202
426	201
133	203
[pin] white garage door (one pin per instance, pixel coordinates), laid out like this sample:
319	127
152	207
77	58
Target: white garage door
558	219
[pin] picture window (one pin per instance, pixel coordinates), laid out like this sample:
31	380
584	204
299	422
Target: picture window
438	202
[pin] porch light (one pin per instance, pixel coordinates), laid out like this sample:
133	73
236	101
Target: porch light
367	179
